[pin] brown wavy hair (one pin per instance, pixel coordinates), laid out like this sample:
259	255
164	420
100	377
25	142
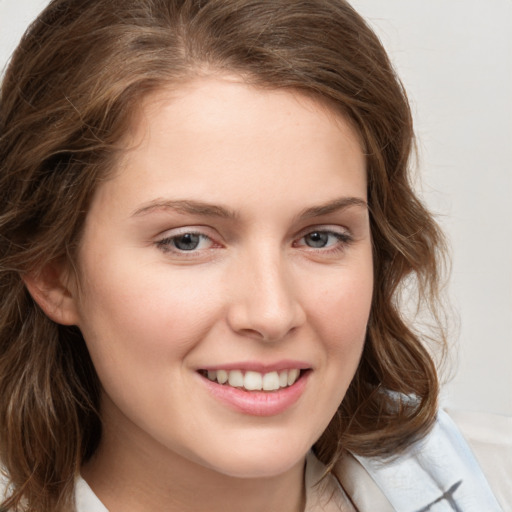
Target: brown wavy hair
68	96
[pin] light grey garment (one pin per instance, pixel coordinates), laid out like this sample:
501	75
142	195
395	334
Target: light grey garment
437	474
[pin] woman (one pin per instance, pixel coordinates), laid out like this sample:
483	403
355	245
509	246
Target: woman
207	224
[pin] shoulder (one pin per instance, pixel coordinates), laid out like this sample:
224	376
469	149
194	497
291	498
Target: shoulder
439	473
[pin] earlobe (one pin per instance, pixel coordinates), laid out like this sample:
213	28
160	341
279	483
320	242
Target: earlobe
53	290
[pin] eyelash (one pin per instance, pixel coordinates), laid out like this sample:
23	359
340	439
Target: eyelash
168	244
343	240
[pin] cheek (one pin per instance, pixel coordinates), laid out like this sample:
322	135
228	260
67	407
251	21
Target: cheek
131	315
339	316
140	332
342	318
342	310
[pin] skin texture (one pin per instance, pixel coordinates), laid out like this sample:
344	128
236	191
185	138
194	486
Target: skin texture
253	291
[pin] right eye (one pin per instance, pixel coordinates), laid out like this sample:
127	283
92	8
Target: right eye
187	241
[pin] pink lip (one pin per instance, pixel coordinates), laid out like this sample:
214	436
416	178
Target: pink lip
256	366
258	403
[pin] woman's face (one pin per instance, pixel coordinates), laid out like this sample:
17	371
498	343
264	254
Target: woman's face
233	242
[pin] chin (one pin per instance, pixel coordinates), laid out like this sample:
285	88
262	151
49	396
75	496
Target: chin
259	462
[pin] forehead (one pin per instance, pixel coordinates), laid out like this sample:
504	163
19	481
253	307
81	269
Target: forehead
220	139
206	103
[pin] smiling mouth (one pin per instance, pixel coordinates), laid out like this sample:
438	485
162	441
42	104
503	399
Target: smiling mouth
254	381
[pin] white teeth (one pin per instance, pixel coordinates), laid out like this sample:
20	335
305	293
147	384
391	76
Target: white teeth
271	381
293	375
255	381
236	378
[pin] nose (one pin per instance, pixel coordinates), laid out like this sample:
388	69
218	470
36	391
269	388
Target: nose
265	301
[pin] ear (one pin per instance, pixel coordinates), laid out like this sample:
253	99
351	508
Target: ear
54	289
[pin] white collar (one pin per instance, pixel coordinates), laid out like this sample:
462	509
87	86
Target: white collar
85	499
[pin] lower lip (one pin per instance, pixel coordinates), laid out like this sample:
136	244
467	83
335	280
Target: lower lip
258	403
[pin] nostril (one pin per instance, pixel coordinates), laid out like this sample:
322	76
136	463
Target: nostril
253	333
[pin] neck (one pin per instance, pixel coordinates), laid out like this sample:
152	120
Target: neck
128	476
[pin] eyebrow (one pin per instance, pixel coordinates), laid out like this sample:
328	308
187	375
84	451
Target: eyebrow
212	210
187	207
333	206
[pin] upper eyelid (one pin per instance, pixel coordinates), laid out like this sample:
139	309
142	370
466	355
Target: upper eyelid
212	232
326	228
165	237
183	230
214	235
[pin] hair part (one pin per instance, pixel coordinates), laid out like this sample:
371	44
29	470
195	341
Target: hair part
69	96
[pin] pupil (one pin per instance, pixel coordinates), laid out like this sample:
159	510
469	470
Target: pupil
187	242
317	239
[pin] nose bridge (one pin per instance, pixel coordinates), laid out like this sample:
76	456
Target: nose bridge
267	305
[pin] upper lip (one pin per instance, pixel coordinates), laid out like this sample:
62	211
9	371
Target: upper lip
258	366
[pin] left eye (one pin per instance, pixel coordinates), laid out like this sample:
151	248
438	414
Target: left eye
186	242
322	239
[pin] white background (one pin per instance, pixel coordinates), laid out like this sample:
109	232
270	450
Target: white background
455	58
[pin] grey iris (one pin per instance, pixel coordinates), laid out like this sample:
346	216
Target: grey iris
187	241
317	239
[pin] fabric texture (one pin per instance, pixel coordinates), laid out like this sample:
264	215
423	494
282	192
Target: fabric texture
438	474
